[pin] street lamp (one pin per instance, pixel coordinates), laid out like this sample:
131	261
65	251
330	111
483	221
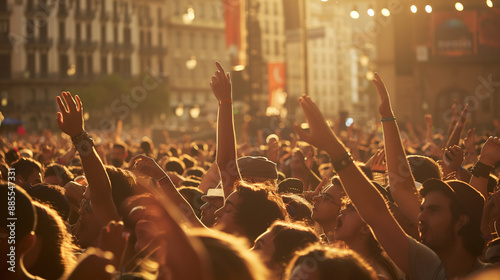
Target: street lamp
179	111
189	16
191	62
195	111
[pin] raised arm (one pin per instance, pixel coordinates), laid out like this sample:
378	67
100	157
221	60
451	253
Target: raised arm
369	202
148	166
70	121
226	139
401	182
459	127
490	154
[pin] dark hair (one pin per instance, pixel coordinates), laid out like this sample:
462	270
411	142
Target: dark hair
472	238
147	146
11	156
193	197
188	160
344	264
258	209
194	171
76	170
230	257
57	254
298	208
61	171
191	181
289	238
120	146
424	168
25	212
52	195
26	166
122	185
175	165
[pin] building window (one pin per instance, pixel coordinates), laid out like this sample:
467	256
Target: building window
104	65
126	67
115	35
89	32
103	34
160	39
116	65
30	67
80	61
179	39
5	61
126	36
149	39
63	65
62	31
78	33
90	65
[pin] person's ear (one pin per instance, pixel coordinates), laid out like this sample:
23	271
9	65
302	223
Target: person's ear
462	221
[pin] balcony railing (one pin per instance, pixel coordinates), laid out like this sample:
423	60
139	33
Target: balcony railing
64	45
39	43
105	16
85	15
86	46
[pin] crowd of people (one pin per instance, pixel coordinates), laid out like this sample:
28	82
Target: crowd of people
318	206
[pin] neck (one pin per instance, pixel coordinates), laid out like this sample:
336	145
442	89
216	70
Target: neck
329	230
457	261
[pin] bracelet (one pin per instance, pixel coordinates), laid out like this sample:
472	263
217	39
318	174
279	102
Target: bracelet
225	101
481	170
388	119
83	143
342	162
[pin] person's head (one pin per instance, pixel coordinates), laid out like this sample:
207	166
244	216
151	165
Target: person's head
291	186
279	243
424	168
322	263
23	229
52	195
451	212
28	172
188	160
492	252
326	206
230	258
196	171
175	165
250	210
11	156
146	146
54	252
214	199
122	185
57	174
258	170
298	208
193	196
118	154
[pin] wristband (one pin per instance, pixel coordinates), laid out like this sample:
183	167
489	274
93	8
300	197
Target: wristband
481	170
83	143
388	119
342	162
225	101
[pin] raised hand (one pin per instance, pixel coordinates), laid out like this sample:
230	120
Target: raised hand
453	157
221	84
490	153
385	108
377	163
272	149
428	120
70	117
113	238
320	136
147	166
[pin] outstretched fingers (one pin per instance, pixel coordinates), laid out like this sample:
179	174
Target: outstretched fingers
70	102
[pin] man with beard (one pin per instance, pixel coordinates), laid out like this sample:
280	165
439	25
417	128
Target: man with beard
118	155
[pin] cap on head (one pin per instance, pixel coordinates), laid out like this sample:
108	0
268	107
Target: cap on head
257	167
291	185
469	198
213	193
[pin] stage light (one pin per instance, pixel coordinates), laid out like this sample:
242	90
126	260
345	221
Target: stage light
413	9
459	6
428	9
385	12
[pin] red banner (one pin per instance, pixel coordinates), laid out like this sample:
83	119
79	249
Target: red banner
232	16
277	78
